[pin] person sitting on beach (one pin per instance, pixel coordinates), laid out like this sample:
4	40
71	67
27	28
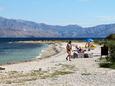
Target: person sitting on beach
77	48
80	50
88	45
69	49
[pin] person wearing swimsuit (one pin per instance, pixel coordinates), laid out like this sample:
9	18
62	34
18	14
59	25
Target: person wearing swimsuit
69	49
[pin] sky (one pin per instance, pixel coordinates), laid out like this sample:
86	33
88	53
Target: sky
60	12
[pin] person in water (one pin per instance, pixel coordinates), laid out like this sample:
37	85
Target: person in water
69	50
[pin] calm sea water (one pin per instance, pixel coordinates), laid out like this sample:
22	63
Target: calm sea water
16	52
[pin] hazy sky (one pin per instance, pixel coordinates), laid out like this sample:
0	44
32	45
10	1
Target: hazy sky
60	12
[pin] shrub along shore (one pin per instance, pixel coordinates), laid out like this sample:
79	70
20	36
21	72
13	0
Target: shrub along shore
109	62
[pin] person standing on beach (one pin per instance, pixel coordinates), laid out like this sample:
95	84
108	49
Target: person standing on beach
69	50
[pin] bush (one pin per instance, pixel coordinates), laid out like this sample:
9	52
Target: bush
107	65
109	62
111	45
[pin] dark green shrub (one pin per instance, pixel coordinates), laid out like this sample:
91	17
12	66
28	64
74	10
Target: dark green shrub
105	65
109	62
111	45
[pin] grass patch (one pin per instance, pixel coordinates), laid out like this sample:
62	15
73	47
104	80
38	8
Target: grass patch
12	72
66	66
71	67
21	77
86	74
106	64
37	73
61	72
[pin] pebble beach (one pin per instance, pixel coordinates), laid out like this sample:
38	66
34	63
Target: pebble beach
54	70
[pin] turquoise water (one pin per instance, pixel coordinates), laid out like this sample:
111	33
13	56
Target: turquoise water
18	52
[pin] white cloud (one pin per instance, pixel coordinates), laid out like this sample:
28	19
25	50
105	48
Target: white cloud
106	18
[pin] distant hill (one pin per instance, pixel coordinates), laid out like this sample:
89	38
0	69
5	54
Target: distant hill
22	28
111	37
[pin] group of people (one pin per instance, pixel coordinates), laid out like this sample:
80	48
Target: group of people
77	49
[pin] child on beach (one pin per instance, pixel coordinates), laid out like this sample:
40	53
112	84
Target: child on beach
69	49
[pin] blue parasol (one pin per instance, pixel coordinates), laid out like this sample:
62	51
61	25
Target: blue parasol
89	40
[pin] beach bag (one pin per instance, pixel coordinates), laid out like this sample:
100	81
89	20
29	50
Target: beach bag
86	55
75	55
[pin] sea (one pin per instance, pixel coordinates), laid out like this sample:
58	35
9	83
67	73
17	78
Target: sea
12	51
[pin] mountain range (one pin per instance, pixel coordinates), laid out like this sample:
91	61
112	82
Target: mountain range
23	28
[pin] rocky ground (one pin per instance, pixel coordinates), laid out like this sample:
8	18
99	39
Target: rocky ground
56	71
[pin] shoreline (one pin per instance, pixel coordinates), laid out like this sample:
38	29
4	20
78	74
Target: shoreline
57	71
54	47
39	57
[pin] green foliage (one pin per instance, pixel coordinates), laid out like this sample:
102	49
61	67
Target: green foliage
111	45
107	65
100	42
109	62
111	37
